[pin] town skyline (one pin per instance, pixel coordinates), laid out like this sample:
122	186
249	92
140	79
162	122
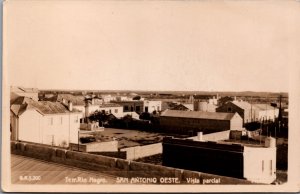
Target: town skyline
205	46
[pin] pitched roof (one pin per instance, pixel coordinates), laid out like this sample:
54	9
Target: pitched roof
242	104
263	106
44	107
179	107
198	114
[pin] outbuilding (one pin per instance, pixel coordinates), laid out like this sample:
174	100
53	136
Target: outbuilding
195	121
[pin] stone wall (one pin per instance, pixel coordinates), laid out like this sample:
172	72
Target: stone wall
113	166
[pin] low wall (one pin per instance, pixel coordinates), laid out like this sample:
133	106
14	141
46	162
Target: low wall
133	153
114	166
110	146
223	135
118	154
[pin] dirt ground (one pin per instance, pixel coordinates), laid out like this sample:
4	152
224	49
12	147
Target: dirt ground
130	138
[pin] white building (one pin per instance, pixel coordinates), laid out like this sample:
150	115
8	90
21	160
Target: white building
44	122
265	112
108	108
112	108
260	162
152	105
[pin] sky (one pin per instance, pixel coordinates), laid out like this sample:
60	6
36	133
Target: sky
151	45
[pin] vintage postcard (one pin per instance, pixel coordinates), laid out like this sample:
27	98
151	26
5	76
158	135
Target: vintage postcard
150	96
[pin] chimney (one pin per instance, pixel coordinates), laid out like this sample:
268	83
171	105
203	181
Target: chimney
70	106
64	101
93	101
200	136
234	98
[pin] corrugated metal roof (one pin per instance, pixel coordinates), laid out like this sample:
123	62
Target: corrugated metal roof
44	107
198	114
242	104
246	106
263	106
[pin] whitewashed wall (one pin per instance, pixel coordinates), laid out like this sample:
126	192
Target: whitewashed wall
257	164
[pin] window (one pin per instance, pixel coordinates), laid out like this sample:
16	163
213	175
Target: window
125	108
262	166
229	109
137	108
50	121
61	120
116	110
109	111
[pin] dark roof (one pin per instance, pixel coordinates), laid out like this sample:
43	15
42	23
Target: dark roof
179	107
22	104
198	114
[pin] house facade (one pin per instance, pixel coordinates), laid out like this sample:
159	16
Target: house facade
152	105
131	105
50	123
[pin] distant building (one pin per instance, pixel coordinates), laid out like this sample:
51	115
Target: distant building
207	122
152	105
250	112
44	122
265	112
252	162
200	105
244	109
107	98
111	108
131	105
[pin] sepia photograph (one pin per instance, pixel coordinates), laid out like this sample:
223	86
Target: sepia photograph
150	96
